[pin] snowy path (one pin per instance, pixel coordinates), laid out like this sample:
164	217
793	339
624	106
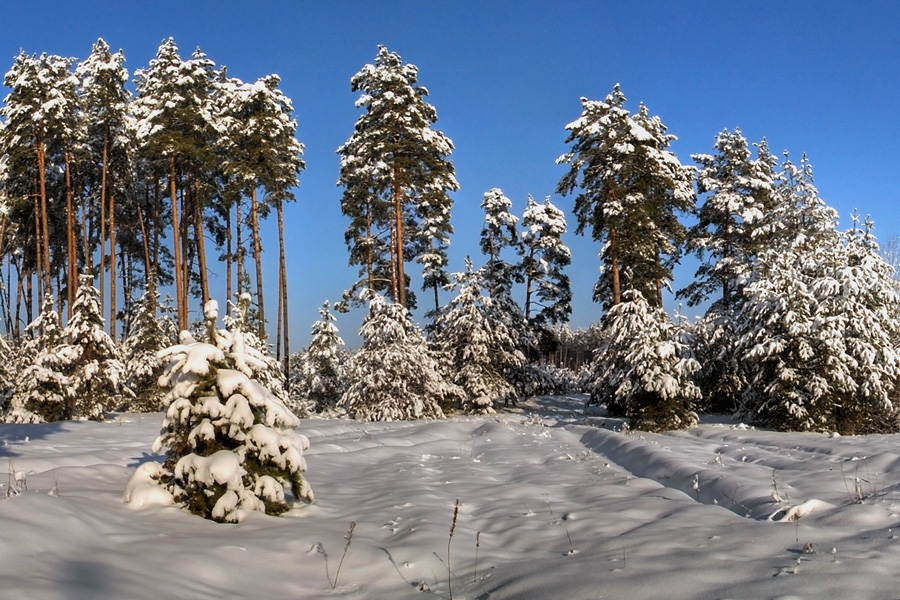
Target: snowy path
561	507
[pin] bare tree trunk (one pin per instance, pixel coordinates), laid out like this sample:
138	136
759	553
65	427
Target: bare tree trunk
257	251
176	246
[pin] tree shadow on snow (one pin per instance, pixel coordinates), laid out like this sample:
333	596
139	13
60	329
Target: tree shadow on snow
14	436
146	457
568	409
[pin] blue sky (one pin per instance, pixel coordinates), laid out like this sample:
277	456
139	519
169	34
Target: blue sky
819	77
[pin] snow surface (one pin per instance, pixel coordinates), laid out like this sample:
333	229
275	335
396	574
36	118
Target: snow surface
561	504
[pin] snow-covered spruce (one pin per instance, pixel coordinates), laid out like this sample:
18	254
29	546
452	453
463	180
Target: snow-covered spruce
318	376
270	374
819	331
231	446
473	348
643	369
41	390
140	352
393	375
97	376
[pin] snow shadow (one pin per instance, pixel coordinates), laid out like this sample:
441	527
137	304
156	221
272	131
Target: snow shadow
85	579
14	436
146	457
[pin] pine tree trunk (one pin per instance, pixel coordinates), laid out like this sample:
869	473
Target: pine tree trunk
240	248
398	217
102	274
229	260
529	279
257	251
71	246
395	292
201	246
614	267
45	228
149	270
370	257
38	237
112	266
157	221
283	298
176	246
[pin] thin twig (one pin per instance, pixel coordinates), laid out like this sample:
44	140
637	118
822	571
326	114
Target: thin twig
452	529
349	538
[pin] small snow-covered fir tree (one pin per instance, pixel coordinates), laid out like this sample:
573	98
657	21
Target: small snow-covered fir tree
320	378
140	353
475	350
643	369
231	446
97	376
271	377
42	390
393	375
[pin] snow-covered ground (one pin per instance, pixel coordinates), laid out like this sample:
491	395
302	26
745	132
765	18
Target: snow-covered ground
552	503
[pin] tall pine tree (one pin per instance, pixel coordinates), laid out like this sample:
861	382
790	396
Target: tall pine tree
396	174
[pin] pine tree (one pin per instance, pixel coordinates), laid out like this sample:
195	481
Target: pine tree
544	256
102	79
393	375
396	176
740	192
41	128
260	150
97	376
175	127
631	187
499	234
643	369
231	445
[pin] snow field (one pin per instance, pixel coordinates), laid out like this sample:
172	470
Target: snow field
529	481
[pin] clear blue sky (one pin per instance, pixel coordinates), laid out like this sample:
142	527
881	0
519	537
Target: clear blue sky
819	77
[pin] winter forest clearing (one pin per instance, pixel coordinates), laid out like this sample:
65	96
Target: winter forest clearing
484	450
552	504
